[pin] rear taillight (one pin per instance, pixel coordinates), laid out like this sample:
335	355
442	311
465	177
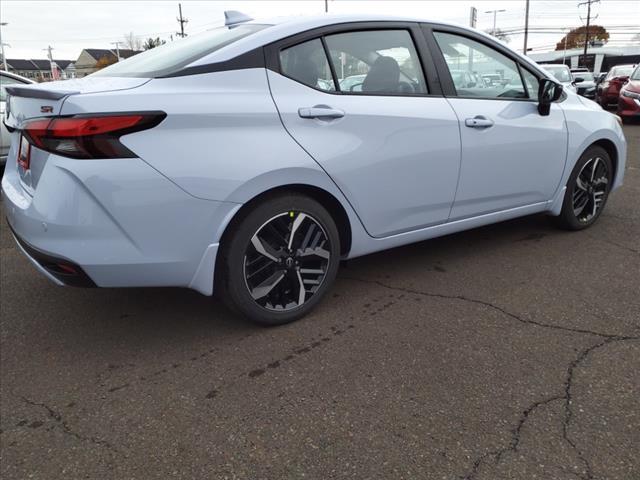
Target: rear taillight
88	136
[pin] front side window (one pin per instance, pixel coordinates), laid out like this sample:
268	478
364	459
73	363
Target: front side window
478	70
308	64
531	81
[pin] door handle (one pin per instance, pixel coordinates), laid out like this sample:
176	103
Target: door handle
479	121
320	111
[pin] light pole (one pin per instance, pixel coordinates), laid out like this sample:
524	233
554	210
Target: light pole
495	14
4	59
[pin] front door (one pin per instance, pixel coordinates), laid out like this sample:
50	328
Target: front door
511	155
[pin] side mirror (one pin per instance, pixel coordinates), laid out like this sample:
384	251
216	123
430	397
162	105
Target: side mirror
548	92
578	80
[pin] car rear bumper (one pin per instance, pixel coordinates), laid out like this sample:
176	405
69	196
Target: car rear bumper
114	223
628	107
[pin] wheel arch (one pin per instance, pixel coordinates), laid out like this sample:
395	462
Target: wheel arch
328	200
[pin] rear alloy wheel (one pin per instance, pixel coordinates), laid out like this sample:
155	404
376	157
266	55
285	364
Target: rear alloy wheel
280	260
587	190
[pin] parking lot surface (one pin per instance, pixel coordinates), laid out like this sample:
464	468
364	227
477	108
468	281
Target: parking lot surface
506	352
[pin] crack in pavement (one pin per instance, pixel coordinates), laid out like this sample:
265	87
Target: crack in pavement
569	382
568	412
57	417
615	244
462	298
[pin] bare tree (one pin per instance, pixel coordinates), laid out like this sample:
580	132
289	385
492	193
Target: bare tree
132	42
499	34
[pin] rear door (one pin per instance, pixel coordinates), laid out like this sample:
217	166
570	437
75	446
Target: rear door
365	104
511	155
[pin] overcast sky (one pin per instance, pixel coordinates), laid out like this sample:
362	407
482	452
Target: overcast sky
70	26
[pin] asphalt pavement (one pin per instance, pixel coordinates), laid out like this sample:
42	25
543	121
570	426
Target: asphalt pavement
506	352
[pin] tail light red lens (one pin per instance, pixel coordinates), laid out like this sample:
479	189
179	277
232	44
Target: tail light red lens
89	136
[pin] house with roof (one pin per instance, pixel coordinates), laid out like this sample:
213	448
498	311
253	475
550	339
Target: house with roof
40	69
92	59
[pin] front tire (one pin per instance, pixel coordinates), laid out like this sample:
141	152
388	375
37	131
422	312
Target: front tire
279	259
587	190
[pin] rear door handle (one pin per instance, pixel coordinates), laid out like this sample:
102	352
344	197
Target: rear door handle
320	111
479	121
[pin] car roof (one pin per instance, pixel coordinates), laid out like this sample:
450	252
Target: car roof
283	27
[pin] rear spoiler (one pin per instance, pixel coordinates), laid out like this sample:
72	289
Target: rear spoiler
29	92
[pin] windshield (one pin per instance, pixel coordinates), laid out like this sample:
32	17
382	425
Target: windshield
586	76
636	74
173	56
624	71
562	73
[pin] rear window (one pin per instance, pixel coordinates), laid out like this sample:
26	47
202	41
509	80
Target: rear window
173	56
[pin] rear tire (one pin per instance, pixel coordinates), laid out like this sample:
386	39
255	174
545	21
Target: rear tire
587	190
269	277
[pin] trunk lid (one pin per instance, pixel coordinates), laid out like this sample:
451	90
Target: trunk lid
46	99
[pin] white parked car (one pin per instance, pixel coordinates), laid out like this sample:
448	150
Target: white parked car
561	73
234	160
6	79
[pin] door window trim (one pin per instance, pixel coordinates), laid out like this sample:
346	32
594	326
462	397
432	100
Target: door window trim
442	68
272	54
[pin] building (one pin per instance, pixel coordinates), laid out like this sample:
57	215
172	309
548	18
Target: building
90	59
40	70
599	59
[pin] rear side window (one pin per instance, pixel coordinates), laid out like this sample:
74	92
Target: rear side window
377	62
383	62
173	56
308	64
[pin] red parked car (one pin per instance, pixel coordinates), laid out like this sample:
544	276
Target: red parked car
609	90
629	100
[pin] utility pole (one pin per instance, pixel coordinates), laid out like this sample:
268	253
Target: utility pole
4	58
495	13
526	28
117	44
586	30
326	6
50	57
182	21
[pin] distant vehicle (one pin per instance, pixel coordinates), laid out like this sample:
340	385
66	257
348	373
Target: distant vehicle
585	83
629	100
463	79
219	162
7	78
608	91
352	83
492	79
562	73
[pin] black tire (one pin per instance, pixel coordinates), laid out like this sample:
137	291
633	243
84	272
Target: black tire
595	160
238	254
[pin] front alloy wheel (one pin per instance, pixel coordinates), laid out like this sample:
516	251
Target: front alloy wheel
587	190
